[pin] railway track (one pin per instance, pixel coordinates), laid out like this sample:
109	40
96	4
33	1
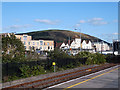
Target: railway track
43	83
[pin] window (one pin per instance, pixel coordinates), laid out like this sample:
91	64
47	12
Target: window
25	47
20	38
40	47
37	43
48	43
24	37
28	43
87	47
44	43
33	43
41	43
29	47
45	47
24	43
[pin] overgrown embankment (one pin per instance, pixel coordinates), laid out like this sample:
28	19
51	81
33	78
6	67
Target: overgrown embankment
17	70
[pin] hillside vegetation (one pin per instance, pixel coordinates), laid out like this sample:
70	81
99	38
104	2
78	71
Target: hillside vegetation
59	35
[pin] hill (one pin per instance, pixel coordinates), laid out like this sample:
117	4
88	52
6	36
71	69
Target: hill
60	36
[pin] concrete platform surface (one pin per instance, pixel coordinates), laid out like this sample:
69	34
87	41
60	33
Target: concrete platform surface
107	78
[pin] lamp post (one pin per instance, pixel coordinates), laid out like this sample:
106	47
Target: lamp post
80	37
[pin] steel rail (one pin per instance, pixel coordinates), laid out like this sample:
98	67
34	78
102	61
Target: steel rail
69	77
60	78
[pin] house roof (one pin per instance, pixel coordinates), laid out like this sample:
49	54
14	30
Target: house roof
87	41
67	42
58	44
71	41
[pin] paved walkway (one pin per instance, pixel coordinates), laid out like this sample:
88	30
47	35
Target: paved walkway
107	78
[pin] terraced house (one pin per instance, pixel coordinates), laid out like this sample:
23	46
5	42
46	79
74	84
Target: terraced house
41	45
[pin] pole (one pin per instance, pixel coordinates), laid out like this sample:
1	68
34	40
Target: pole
53	63
101	47
80	40
54	68
112	45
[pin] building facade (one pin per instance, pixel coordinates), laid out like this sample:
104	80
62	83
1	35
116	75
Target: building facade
86	44
101	46
116	47
77	43
41	45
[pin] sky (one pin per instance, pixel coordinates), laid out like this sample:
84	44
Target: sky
99	19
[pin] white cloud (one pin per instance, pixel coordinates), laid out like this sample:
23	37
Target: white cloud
93	21
97	21
45	21
116	33
82	21
77	25
115	21
17	27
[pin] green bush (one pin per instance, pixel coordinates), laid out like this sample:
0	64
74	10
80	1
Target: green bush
100	58
12	71
92	58
27	71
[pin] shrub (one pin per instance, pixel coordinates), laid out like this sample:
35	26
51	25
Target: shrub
100	58
27	71
92	58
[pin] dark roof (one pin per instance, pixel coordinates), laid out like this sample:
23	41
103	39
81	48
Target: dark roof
87	41
58	44
71	41
82	40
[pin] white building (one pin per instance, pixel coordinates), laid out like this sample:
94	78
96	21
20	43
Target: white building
101	46
86	44
41	45
64	46
77	43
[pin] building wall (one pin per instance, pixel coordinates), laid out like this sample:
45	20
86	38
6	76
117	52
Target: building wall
102	46
86	45
42	45
22	37
76	43
48	45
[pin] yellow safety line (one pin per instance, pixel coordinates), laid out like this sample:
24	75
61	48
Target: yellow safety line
90	79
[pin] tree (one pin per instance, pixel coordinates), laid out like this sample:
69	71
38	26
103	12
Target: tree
12	49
